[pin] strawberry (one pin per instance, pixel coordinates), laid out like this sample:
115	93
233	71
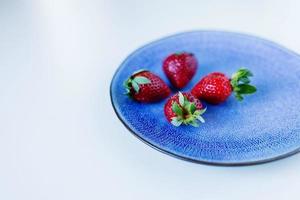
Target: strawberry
215	88
184	108
144	86
180	68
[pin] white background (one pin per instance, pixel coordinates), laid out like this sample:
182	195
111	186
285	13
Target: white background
59	136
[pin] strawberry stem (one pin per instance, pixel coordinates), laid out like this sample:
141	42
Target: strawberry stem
186	112
240	83
134	81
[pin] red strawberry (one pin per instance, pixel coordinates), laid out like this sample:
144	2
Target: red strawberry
180	68
144	86
184	108
215	88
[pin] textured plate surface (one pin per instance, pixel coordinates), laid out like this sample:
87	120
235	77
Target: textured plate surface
264	127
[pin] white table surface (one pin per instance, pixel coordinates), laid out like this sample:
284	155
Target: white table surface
59	136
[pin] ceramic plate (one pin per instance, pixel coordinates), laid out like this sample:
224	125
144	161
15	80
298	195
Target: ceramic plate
262	128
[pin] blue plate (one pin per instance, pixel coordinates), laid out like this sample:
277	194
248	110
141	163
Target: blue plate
262	128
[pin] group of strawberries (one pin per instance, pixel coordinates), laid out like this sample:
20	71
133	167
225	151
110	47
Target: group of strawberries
186	108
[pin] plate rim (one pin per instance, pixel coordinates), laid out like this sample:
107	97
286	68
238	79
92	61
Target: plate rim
197	161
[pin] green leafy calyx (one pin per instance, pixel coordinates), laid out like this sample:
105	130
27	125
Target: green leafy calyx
186	112
240	83
134	82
